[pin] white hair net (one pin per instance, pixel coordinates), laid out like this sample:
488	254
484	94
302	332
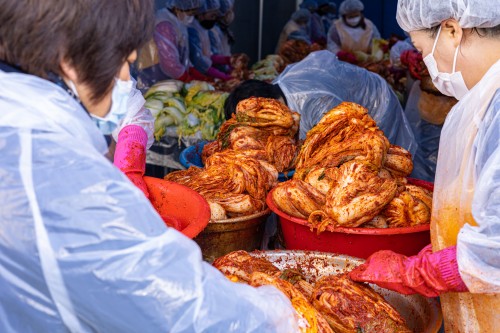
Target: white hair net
225	6
183	4
349	6
423	14
311	5
209	5
301	15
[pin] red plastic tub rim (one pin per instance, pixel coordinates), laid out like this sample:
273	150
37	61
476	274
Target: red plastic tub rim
192	221
365	231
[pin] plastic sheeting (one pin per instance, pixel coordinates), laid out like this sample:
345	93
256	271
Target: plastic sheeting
427	136
416	15
219	42
82	250
171	38
466	204
199	47
320	82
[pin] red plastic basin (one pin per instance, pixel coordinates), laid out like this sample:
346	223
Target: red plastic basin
179	206
356	242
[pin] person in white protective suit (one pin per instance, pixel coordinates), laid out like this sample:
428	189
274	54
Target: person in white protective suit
166	55
200	50
297	24
460	43
81	248
352	31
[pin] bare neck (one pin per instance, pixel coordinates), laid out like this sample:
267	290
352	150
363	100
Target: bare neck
481	54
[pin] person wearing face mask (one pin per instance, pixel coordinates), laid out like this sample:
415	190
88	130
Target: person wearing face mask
352	31
200	51
81	248
460	45
220	36
166	56
295	28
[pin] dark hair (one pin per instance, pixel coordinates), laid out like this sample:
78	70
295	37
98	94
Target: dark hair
251	88
93	36
493	32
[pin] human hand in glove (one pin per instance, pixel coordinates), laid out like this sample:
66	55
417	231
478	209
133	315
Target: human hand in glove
214	72
427	273
218	59
138	115
130	155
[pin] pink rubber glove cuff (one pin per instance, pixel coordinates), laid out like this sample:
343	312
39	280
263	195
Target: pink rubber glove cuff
427	273
448	266
130	155
213	72
130	138
218	59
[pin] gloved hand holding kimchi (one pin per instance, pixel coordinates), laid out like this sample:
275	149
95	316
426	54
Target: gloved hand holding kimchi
427	273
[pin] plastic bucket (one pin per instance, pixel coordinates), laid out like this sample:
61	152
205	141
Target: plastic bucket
356	242
224	236
179	206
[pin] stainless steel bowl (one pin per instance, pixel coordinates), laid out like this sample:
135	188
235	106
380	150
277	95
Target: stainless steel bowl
422	315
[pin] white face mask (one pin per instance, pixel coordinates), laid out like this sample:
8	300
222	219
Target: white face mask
186	19
353	21
119	101
448	84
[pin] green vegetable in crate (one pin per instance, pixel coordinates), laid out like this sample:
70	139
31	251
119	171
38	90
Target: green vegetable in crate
177	103
161	122
166	88
205	114
154	105
191	89
168	116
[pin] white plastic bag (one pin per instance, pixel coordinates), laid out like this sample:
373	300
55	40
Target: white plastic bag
320	82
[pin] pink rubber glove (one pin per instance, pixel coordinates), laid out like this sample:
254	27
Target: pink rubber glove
130	155
427	273
213	72
218	59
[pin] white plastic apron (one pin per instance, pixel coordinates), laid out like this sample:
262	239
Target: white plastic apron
453	194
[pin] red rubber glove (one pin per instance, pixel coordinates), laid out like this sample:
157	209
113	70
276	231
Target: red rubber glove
214	72
427	273
185	77
196	75
218	59
130	155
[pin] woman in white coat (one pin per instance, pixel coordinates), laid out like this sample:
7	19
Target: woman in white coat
460	43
